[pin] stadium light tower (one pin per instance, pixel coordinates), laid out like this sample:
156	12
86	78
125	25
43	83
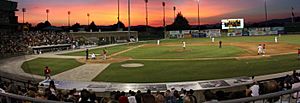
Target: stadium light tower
164	18
128	17
293	15
47	11
118	15
23	12
174	9
146	7
88	15
198	14
266	12
69	13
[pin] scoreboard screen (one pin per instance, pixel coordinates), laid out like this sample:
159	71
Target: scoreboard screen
232	23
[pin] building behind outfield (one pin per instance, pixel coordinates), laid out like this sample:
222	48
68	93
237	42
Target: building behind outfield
108	37
8	20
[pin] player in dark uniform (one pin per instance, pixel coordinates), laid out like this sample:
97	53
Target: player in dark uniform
87	54
220	44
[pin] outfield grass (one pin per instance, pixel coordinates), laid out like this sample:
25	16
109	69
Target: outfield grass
111	50
291	39
175	71
177	52
57	65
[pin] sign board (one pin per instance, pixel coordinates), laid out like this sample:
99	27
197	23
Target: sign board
185	31
232	23
174	32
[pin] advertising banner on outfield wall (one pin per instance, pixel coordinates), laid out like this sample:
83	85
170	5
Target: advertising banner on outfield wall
235	32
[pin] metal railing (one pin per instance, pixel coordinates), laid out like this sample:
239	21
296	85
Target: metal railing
13	98
268	97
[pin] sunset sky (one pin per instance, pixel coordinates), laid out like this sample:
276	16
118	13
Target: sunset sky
104	12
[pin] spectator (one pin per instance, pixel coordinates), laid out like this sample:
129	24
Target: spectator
131	98
221	95
52	87
148	97
71	97
12	88
248	91
169	97
192	96
209	96
179	99
84	96
123	98
254	89
159	98
138	97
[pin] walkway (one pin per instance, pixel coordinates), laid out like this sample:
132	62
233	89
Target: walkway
85	72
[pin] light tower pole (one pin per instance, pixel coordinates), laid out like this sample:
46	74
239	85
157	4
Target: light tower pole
23	12
88	15
174	9
198	14
164	18
69	13
128	17
146	6
266	13
293	15
118	15
47	11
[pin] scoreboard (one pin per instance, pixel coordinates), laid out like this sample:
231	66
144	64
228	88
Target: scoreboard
232	23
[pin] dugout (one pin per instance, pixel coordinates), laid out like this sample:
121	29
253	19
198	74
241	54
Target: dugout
108	37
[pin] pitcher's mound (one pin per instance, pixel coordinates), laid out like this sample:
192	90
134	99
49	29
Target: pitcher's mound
132	65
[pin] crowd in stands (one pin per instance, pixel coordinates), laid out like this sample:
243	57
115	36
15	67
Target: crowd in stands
168	96
13	43
45	38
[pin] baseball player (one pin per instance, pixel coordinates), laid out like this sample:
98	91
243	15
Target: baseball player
276	39
47	72
264	49
183	44
104	53
93	56
260	49
158	42
213	40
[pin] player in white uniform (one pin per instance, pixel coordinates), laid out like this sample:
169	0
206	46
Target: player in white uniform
158	42
276	39
260	49
183	44
93	56
213	40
